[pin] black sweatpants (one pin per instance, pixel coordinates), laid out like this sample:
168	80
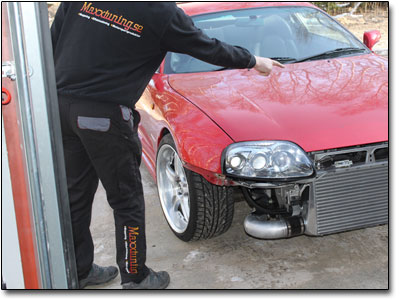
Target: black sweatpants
101	142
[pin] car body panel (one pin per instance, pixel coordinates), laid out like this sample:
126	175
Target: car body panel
198	139
318	105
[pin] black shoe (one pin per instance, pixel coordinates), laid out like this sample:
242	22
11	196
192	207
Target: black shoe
153	281
98	275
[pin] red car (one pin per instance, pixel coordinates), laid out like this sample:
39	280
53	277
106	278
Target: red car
307	146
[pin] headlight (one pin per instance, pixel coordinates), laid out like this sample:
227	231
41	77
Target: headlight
269	160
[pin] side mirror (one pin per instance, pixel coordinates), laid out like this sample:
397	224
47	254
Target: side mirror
371	38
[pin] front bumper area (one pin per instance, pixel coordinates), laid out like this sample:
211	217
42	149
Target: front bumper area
344	196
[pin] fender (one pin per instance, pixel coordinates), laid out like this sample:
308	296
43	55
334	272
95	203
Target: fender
199	141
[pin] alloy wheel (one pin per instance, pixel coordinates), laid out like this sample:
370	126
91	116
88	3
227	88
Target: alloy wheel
173	188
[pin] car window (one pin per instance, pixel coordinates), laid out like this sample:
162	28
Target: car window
293	32
319	24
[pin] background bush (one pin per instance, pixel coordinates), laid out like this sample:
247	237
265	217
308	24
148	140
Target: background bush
335	8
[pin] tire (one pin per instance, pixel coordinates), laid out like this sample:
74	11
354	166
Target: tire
205	210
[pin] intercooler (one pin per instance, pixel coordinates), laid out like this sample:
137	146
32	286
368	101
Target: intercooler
350	191
348	198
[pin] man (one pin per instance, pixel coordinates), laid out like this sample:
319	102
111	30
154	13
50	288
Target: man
105	54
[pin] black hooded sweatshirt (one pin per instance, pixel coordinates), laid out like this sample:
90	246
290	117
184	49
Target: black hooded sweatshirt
108	51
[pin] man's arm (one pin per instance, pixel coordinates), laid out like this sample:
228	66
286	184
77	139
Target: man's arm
182	36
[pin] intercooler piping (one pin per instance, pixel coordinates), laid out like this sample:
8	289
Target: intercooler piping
260	227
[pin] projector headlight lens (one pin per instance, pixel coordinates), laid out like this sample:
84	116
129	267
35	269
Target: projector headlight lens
237	161
259	161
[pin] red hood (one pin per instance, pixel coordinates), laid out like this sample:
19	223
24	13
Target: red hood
318	105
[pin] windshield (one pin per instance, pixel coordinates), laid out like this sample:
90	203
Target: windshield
289	33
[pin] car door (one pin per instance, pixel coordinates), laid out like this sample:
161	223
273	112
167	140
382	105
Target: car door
151	117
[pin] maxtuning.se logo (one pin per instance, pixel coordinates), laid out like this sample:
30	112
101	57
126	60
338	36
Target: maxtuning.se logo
110	19
130	236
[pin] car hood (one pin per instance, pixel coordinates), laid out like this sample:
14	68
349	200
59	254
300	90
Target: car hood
318	105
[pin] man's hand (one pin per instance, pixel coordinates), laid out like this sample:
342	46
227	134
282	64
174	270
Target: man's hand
264	65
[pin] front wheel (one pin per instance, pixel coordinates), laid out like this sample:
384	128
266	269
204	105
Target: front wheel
194	208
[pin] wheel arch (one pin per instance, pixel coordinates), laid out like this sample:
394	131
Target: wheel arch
199	141
164	131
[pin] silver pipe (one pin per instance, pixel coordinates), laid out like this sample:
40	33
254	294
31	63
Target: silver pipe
260	227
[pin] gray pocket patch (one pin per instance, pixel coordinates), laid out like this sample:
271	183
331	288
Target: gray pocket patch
126	112
97	124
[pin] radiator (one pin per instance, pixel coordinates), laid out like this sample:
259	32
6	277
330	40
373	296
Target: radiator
350	198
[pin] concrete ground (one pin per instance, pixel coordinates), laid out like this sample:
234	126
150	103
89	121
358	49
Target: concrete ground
350	260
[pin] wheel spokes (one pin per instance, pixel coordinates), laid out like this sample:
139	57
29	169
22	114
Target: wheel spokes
185	208
178	166
171	174
175	203
180	206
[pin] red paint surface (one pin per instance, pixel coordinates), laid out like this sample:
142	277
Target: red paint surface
199	140
318	105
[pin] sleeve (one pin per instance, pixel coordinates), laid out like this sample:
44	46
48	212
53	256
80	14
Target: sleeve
182	36
58	23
